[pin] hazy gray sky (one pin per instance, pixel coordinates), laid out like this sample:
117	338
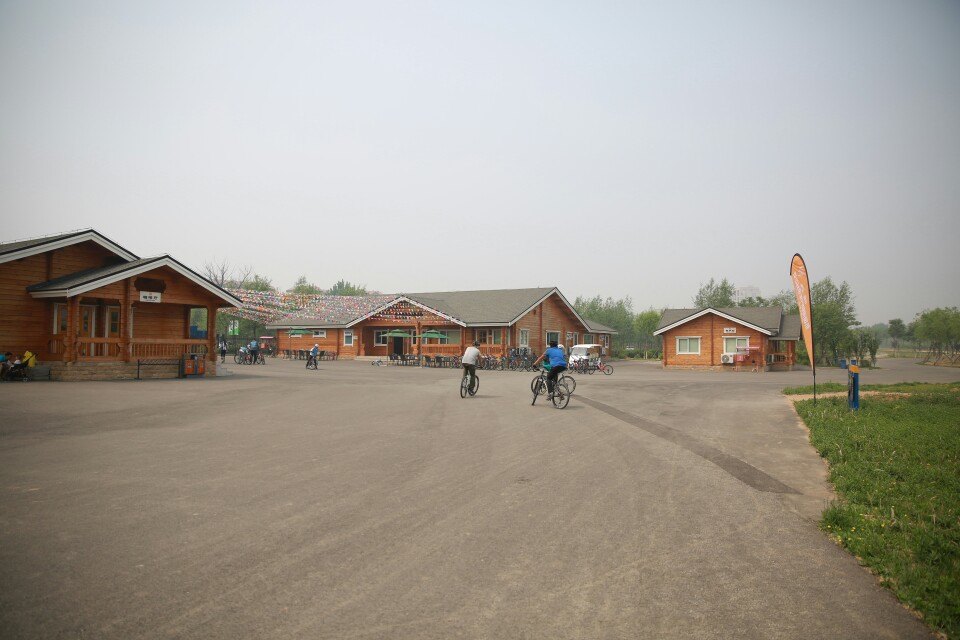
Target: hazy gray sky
418	146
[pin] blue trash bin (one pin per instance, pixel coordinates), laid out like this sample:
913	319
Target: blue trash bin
843	363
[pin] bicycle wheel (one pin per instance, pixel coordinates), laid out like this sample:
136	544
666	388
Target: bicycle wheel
533	384
476	385
238	358
561	395
537	384
570	381
464	384
607	370
261	359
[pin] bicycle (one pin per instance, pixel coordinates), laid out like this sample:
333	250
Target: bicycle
603	366
377	363
312	362
561	392
570	381
467	388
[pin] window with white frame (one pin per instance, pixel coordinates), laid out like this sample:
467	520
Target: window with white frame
319	333
524	337
294	335
489	336
730	345
348	338
380	337
688	346
588	338
553	336
605	340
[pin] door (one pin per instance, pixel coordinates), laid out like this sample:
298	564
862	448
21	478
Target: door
112	330
88	328
398	346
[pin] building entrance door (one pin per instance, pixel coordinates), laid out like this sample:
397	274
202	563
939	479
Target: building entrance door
398	346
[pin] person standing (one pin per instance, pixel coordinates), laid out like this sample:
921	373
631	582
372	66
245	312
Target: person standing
223	350
254	348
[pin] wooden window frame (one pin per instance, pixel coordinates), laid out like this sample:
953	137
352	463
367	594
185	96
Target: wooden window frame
379	334
546	336
348	333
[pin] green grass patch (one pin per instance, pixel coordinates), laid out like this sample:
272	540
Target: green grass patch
895	465
900	387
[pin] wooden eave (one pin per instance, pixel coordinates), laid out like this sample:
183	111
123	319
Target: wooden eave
58	242
95	282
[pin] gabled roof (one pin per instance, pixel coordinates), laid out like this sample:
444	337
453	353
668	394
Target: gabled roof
335	315
89	279
596	327
485	308
24	248
763	319
496	307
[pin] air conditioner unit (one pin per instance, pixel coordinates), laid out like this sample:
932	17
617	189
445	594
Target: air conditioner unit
726	358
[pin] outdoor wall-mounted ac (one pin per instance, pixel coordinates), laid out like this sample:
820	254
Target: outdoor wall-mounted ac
726	358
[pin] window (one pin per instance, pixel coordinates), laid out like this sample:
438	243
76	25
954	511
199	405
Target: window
451	336
524	337
572	337
114	320
688	346
59	318
553	336
293	335
605	340
319	333
730	345
489	336
380	337
348	338
588	338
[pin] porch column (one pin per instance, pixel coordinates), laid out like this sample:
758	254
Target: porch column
73	328
419	339
126	308
212	332
540	335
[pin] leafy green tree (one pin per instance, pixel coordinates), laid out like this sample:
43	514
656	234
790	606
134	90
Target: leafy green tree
715	294
346	288
645	324
940	329
785	300
301	286
617	314
256	282
897	331
833	317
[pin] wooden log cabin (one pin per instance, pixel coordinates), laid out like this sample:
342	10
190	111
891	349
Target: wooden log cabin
500	319
730	339
91	309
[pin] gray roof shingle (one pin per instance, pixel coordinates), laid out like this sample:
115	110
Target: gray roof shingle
772	319
496	306
88	275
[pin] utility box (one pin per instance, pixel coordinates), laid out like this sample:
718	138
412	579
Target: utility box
194	366
853	387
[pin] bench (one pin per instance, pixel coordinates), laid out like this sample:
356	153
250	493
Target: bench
155	362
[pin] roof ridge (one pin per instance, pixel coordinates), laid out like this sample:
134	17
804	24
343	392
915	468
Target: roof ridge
48	235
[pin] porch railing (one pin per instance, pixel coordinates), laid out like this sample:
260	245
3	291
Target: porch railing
97	348
161	348
441	349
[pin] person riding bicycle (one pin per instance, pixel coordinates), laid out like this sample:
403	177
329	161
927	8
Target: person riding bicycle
315	352
558	364
470	358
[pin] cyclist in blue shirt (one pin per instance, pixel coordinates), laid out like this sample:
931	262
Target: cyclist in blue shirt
558	364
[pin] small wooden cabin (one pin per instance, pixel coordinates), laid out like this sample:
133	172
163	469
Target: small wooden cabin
734	339
500	319
91	309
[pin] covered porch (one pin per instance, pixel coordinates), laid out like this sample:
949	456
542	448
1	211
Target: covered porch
130	313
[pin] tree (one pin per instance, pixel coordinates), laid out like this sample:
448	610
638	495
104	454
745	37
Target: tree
301	286
617	314
785	300
833	317
715	294
256	283
897	330
346	288
940	330
645	324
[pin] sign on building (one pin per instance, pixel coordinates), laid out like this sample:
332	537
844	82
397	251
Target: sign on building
150	296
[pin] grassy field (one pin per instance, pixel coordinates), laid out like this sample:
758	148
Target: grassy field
902	387
895	465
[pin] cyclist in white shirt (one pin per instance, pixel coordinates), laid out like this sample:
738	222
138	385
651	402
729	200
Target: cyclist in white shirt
470	357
